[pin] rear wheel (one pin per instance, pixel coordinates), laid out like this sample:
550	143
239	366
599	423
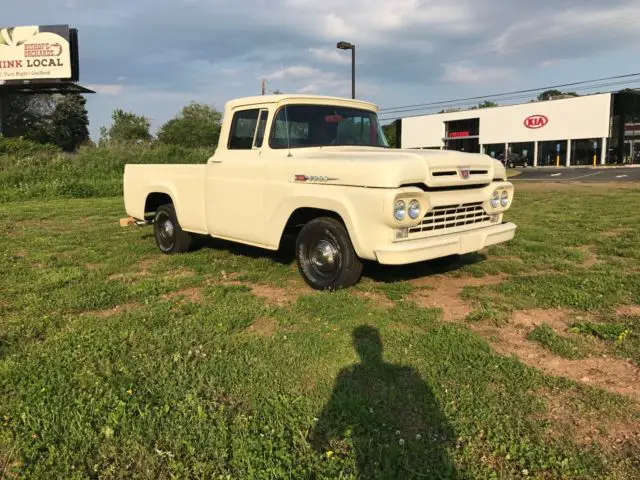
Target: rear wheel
325	255
170	237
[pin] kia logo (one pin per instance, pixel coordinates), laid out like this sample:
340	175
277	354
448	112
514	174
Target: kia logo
536	121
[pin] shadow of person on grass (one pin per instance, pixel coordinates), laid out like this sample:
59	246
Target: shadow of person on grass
387	416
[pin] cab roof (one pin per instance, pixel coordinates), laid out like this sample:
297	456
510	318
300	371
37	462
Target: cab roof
262	99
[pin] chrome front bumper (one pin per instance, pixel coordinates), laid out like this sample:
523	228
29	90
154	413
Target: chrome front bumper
414	251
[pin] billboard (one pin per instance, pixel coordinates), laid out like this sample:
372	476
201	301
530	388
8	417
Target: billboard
37	53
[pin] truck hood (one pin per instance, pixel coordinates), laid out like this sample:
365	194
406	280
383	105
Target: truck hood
392	168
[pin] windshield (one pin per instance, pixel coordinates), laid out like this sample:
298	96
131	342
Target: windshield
297	126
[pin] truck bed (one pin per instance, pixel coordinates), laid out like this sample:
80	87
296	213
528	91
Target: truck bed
185	184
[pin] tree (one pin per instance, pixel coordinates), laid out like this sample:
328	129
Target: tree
27	116
127	127
390	131
549	94
68	126
197	125
487	104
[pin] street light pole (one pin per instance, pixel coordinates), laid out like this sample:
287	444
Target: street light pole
353	72
352	47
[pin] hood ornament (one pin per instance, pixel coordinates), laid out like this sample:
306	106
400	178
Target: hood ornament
464	172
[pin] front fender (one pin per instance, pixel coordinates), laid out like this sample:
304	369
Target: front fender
357	208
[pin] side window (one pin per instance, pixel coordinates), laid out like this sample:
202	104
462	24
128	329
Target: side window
243	129
262	126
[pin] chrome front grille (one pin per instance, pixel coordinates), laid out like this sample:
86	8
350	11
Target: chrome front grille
452	216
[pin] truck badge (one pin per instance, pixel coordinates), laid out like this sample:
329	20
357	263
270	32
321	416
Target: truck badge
464	172
313	178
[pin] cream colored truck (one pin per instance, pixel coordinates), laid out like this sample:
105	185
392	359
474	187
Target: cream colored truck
320	168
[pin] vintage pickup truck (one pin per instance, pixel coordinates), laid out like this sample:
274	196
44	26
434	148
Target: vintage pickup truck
320	168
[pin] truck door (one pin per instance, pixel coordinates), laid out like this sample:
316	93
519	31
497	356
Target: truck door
235	181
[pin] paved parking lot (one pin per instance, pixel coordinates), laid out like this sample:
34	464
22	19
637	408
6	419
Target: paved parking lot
622	174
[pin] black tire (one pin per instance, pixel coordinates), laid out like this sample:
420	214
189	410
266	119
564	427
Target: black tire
170	237
325	255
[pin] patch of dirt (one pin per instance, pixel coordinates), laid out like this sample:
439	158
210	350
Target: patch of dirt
91	266
590	258
530	319
377	299
263	327
276	296
308	383
109	312
506	258
444	292
614	232
129	276
611	374
229	276
629	311
143	271
193	295
584	427
180	273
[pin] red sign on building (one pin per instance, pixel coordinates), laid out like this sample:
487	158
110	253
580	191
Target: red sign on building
535	121
459	134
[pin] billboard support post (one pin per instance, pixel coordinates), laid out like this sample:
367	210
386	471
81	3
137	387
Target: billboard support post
4	105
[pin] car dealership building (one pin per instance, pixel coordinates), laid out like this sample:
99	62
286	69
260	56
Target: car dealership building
593	129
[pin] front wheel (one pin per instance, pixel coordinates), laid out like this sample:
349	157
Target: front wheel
325	255
170	237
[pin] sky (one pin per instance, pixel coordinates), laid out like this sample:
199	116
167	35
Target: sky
152	57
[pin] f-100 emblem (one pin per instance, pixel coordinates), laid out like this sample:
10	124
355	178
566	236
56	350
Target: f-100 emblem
464	172
313	178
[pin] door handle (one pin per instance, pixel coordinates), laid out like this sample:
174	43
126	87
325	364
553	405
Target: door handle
215	161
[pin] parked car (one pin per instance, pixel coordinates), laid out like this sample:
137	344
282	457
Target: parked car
516	160
319	168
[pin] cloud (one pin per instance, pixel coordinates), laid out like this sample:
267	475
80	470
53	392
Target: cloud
327	55
407	50
458	73
107	89
295	72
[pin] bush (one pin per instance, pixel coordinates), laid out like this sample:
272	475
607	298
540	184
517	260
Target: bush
21	147
33	171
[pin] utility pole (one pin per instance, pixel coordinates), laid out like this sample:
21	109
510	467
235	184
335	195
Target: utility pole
264	86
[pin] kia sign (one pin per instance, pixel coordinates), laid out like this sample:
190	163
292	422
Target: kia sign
35	53
535	121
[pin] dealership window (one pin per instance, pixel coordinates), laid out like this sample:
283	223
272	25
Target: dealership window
583	151
548	153
624	144
495	150
469	127
520	154
463	135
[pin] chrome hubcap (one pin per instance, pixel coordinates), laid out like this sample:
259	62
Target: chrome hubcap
324	255
166	229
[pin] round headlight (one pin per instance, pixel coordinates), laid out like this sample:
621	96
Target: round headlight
400	210
495	199
414	209
504	198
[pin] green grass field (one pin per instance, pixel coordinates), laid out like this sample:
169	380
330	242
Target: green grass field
517	362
